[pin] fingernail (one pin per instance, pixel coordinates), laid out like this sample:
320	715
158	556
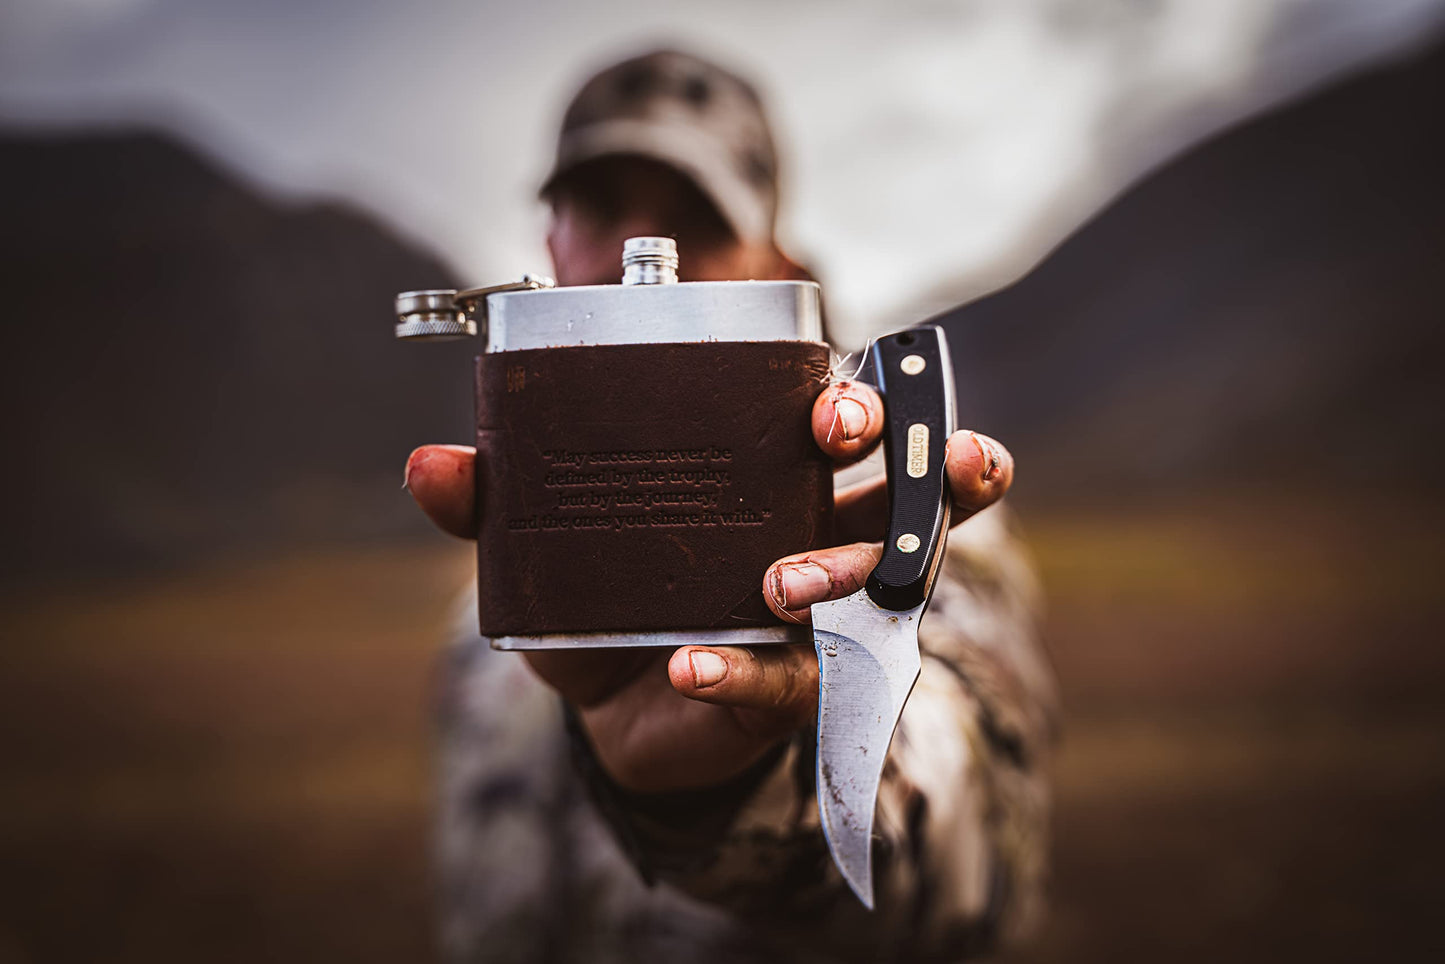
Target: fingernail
852	418
798	584
406	473
992	463
707	668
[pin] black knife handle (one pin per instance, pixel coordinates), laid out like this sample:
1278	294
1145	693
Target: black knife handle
915	377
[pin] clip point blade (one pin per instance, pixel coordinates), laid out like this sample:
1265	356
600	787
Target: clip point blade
846	804
855	863
861	692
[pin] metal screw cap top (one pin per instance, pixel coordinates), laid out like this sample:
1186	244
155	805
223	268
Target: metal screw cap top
649	261
432	314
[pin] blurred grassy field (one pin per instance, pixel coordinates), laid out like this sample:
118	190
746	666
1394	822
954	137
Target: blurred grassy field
233	763
1254	760
228	764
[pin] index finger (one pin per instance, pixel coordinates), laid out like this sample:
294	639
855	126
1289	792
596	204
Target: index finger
848	420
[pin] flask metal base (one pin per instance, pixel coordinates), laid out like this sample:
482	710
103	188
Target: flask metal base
671	638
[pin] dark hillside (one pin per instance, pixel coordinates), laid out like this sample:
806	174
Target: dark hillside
1267	309
190	366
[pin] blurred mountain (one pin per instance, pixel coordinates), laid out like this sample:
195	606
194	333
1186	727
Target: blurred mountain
1268	311
191	366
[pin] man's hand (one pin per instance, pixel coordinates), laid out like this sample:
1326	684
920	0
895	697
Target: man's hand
703	714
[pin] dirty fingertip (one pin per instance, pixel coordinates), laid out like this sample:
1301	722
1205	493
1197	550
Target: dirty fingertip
692	669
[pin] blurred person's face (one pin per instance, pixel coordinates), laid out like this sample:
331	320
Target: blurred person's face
604	202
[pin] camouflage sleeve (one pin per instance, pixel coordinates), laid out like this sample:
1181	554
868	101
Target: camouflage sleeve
963	809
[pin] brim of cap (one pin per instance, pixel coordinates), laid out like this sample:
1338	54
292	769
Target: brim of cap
702	158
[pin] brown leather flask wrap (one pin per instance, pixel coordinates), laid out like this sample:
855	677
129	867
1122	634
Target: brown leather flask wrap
644	487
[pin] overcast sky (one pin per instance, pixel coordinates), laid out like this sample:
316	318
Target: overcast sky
932	150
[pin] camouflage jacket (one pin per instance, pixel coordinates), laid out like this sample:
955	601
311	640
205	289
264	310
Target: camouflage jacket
543	859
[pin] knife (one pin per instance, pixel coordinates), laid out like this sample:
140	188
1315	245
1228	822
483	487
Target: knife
867	643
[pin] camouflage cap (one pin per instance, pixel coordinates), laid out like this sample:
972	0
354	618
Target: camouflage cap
690	114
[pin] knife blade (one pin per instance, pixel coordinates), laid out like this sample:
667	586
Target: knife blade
867	643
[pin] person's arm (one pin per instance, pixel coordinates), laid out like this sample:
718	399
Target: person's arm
963	808
708	722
